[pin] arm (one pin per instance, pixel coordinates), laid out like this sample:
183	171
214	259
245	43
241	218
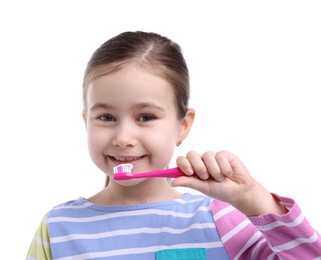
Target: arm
40	246
223	176
270	236
259	218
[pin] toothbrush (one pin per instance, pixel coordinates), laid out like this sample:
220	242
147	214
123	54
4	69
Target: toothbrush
123	172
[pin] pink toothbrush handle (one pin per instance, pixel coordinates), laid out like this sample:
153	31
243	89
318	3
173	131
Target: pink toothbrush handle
167	173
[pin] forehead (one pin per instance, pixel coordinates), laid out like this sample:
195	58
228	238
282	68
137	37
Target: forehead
114	67
129	83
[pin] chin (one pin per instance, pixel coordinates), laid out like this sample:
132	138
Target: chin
129	183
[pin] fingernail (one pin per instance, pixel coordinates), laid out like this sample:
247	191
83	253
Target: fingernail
189	171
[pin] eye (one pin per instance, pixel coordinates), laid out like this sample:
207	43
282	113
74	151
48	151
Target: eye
106	117
146	118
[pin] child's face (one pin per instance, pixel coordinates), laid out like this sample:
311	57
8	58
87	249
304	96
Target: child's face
131	117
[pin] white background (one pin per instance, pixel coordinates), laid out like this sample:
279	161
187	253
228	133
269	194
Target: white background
255	71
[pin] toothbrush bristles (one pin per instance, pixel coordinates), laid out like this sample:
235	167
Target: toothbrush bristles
121	168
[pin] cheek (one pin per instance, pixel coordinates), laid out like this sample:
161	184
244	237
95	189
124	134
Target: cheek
95	140
162	137
162	143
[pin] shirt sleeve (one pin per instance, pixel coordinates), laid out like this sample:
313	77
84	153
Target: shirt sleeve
269	236
40	247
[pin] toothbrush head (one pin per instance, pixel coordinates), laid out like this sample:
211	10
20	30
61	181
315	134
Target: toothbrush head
123	171
123	168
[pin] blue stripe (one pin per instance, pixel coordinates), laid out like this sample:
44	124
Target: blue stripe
128	222
175	215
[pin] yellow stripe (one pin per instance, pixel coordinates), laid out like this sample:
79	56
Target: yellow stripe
40	246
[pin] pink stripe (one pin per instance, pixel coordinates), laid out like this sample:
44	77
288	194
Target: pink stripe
291	234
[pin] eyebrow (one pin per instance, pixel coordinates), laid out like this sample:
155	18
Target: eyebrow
148	105
136	106
100	105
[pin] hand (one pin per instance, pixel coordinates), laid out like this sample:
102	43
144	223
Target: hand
223	176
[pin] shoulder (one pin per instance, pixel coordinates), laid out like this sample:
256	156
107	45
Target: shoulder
191	202
195	199
67	208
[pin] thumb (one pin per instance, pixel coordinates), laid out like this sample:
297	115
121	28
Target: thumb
192	183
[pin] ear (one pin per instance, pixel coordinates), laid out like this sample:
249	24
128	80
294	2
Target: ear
84	116
186	124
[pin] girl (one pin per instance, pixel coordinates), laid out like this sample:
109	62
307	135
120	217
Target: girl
135	94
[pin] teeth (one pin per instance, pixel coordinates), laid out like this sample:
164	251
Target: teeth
126	159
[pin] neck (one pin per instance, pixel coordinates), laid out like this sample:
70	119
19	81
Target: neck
149	191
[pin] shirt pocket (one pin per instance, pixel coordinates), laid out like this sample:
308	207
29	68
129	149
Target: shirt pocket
182	254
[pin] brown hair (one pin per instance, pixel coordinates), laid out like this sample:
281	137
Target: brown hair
147	50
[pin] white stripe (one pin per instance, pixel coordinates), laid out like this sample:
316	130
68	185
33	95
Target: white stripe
276	224
128	213
85	205
249	243
131	232
183	201
295	243
271	256
131	251
235	230
89	204
223	212
41	241
257	247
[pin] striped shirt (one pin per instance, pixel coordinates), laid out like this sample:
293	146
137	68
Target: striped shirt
191	227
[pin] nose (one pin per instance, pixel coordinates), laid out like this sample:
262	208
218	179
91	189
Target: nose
124	136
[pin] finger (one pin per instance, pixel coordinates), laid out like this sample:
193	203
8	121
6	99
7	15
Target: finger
184	165
213	167
197	164
237	166
192	183
223	159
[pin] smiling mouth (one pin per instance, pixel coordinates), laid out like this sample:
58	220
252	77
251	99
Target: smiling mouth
125	159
